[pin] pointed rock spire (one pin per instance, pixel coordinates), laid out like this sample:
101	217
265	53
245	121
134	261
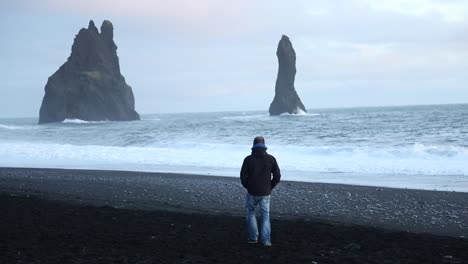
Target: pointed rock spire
89	85
92	27
107	30
286	99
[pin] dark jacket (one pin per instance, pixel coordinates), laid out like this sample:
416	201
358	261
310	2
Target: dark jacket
257	170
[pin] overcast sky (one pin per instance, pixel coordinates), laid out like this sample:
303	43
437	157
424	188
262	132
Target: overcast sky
212	55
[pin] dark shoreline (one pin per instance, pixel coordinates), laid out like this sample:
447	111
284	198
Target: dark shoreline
35	230
437	212
86	216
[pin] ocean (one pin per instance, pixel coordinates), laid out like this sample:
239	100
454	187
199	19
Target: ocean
419	147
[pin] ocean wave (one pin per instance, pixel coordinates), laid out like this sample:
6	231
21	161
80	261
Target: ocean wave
417	159
383	143
245	117
13	127
79	121
300	113
267	116
151	119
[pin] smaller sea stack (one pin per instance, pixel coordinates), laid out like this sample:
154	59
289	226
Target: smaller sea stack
286	99
89	85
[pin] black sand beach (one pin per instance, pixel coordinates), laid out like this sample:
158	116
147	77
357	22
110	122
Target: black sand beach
84	216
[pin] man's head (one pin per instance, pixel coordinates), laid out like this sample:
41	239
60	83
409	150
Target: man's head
258	140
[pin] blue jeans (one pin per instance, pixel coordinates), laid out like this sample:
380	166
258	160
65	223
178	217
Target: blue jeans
251	203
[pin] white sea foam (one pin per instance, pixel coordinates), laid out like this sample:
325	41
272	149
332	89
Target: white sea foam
355	146
339	164
266	116
300	113
79	121
13	127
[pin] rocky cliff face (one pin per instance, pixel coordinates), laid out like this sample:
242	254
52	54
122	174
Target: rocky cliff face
89	85
286	99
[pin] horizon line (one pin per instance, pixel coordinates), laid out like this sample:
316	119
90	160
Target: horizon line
266	110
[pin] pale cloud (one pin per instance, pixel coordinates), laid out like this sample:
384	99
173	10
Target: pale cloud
362	49
348	61
206	15
200	10
449	10
222	53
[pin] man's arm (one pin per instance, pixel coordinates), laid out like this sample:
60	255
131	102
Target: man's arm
275	170
244	173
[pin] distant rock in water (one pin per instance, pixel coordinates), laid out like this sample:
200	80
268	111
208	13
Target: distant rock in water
286	99
89	85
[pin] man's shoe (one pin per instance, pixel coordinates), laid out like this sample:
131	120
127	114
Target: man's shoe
267	244
251	241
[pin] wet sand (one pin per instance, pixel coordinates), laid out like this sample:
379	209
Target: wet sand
86	216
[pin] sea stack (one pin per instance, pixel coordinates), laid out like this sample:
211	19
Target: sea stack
89	85
286	99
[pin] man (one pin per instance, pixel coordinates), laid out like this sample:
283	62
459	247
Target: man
256	177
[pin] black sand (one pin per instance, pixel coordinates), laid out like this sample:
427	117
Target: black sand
76	216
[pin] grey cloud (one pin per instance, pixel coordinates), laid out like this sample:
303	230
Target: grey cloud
344	49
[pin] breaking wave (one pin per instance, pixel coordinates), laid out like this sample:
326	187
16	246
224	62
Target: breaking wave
412	160
412	146
79	121
13	127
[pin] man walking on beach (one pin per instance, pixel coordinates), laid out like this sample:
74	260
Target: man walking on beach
256	177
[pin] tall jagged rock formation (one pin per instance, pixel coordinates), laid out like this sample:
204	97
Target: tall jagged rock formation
286	99
89	85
